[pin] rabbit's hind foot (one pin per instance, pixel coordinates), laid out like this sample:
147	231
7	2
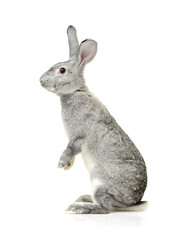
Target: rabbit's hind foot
86	208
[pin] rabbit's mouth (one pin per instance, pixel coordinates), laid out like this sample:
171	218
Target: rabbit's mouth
55	87
49	88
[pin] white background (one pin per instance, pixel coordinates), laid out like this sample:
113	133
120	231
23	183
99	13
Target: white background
136	74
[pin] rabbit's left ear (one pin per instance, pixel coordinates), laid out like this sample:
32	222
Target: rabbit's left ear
73	42
87	51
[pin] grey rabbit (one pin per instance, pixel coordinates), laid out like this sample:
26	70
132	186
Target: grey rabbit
116	168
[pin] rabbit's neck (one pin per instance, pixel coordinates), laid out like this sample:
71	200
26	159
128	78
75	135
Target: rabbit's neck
68	99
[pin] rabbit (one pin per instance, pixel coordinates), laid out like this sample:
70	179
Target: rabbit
116	168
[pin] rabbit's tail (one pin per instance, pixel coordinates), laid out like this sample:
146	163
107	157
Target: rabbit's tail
141	206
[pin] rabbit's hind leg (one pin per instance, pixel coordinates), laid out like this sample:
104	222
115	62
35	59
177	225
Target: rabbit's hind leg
100	205
85	198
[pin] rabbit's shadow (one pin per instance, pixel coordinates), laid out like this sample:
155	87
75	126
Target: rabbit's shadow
114	219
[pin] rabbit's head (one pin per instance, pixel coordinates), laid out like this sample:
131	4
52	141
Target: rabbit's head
67	77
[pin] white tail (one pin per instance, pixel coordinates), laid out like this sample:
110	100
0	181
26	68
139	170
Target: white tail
139	207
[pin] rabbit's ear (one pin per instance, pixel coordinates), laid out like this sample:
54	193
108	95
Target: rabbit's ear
73	42
87	51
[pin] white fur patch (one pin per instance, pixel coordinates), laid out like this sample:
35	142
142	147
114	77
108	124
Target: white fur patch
88	160
96	183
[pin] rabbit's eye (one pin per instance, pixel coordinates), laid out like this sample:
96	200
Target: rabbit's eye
62	70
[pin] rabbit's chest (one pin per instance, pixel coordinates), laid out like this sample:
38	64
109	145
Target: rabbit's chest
76	114
73	121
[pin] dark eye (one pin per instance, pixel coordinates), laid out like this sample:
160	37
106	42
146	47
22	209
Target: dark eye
62	70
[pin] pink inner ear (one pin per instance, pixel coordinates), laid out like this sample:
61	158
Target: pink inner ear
87	50
86	54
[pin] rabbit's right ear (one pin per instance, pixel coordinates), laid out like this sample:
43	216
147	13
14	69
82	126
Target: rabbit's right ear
87	51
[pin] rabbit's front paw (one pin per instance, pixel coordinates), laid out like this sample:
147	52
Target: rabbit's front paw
65	161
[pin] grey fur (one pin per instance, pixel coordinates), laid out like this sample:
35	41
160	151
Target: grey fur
73	42
117	169
85	198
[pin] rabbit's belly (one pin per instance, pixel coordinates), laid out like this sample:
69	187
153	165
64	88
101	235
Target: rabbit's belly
88	160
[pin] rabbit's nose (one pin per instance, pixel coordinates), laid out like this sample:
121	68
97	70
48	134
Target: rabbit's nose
41	78
41	82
